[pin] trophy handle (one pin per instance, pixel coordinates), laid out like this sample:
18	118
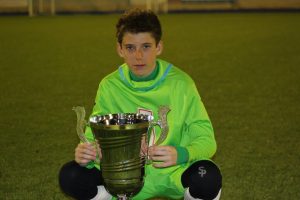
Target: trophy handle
81	123
80	127
162	122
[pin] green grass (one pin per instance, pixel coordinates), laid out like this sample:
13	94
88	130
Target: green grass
246	66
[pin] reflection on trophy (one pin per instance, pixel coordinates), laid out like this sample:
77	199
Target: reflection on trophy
120	137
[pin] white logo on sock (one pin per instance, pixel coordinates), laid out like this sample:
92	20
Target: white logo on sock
201	171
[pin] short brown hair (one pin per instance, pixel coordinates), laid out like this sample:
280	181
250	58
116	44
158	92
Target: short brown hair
138	21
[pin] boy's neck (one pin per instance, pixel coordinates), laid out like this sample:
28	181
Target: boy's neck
146	78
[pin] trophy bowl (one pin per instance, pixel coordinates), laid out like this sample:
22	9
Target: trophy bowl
122	164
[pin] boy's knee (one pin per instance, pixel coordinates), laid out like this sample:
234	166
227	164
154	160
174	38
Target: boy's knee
204	180
68	175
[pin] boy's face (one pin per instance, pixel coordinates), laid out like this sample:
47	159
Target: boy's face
139	51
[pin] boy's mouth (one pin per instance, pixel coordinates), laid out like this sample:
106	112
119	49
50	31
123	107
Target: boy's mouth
140	65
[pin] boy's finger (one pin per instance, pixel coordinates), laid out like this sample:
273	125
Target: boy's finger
161	165
159	158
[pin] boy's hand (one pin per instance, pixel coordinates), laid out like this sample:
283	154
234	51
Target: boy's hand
165	155
86	152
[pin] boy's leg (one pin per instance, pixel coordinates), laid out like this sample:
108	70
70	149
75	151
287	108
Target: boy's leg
203	180
162	183
187	196
79	182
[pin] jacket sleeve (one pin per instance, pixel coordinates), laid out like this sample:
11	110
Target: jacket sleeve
198	137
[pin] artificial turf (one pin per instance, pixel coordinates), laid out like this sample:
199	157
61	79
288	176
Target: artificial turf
246	67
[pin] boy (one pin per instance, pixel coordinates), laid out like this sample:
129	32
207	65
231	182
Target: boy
182	167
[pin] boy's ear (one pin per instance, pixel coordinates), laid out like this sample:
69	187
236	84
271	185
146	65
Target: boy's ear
159	48
120	50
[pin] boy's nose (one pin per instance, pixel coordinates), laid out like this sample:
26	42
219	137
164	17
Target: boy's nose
138	54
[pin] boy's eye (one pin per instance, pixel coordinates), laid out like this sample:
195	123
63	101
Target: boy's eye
130	48
147	46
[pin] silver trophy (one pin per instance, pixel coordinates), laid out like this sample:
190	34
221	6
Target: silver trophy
122	138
